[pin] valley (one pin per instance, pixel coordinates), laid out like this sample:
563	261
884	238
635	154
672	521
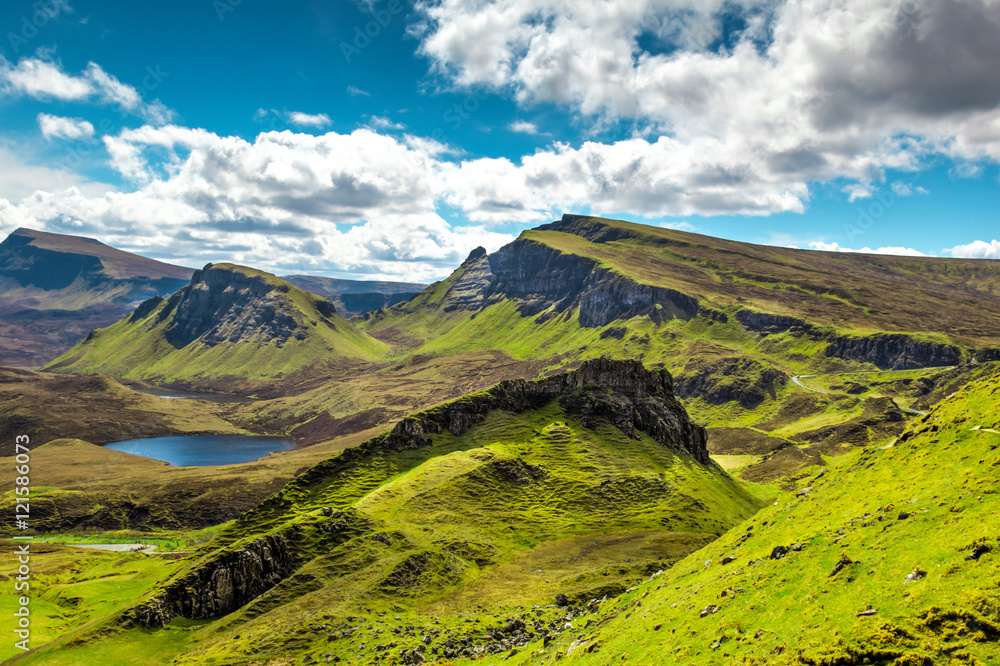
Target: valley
603	442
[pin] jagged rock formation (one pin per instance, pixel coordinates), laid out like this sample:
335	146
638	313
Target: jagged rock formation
469	292
894	351
224	305
622	392
745	380
765	322
220	586
539	277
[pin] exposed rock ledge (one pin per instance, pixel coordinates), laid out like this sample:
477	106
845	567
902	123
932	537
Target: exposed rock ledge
221	586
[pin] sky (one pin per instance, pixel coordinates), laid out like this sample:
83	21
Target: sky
378	139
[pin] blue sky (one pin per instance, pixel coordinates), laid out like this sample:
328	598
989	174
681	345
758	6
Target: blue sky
387	139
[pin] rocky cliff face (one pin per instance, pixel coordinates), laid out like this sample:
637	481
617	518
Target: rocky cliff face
623	393
224	305
539	277
764	322
221	586
470	290
894	351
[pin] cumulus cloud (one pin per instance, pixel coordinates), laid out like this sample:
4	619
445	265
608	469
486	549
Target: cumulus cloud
976	250
898	251
56	127
523	127
361	202
791	91
318	120
44	79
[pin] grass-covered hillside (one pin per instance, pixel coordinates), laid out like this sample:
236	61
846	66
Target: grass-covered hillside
232	327
428	537
889	557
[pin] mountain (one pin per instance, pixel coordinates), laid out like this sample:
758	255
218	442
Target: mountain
593	272
357	297
55	288
601	476
230	328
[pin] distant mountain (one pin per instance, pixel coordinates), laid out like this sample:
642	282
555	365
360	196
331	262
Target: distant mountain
44	271
357	297
55	288
231	328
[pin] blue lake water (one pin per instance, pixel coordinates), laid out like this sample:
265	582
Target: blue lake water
203	450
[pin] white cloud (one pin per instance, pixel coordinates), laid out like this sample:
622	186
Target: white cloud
856	191
811	90
380	122
976	250
355	91
292	202
678	226
55	127
44	79
319	120
898	251
20	178
523	127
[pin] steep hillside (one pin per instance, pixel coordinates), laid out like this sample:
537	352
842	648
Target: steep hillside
357	297
232	327
426	537
890	557
54	288
593	272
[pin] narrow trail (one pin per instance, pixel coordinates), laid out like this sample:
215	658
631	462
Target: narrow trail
796	379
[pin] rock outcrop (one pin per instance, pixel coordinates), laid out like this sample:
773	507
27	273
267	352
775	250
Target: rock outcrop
539	277
472	287
623	393
223	304
765	322
894	351
223	585
744	380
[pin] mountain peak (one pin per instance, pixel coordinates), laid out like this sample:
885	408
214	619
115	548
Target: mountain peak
475	255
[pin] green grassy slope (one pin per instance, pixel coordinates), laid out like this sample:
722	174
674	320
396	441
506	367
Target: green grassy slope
892	558
239	348
463	529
